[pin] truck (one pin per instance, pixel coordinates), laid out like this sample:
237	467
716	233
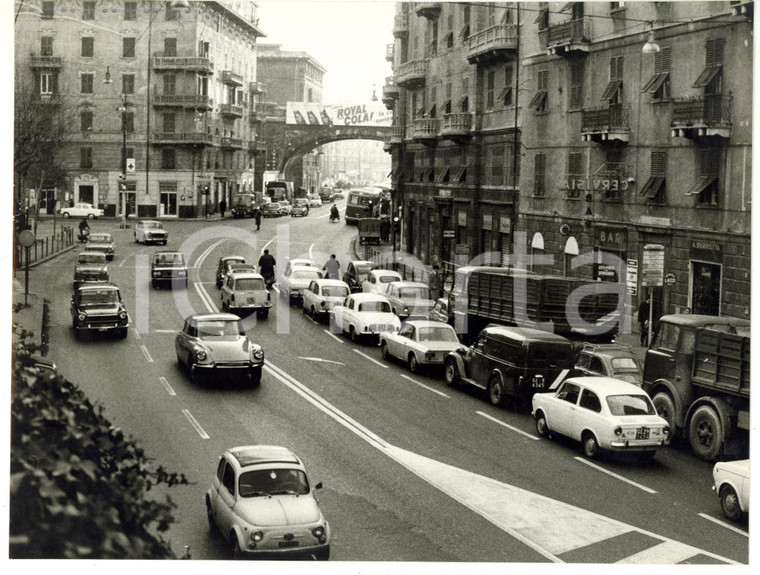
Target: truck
482	295
696	370
279	190
244	205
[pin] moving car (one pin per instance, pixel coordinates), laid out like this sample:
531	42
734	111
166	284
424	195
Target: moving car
262	503
244	291
285	207
322	295
91	267
223	267
271	210
356	272
215	344
296	279
609	360
732	482
326	194
98	308
82	210
315	201
409	299
511	363
150	232
377	281
365	316
420	343
602	413
101	242
168	268
300	208
440	311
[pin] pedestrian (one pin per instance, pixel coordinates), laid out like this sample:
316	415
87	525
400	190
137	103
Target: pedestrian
257	217
332	267
222	207
643	319
435	283
385	228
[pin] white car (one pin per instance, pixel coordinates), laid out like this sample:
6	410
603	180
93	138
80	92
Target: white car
365	315
602	413
315	201
377	281
262	503
296	279
732	486
410	299
420	343
322	295
150	231
82	211
286	208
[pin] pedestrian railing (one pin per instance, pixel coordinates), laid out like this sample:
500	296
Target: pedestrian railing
45	246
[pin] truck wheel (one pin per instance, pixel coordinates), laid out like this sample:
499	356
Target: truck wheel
666	409
451	373
705	433
729	503
496	392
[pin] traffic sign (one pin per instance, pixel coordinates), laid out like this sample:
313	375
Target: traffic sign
27	238
670	279
131	165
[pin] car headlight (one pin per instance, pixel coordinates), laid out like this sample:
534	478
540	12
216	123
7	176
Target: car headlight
618	431
200	355
257	353
406	309
182	273
319	533
82	316
123	314
256	537
666	430
156	274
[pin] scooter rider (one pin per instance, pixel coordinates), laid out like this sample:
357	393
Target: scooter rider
334	213
84	230
266	267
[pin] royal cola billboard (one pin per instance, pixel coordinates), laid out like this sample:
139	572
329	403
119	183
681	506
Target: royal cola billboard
354	114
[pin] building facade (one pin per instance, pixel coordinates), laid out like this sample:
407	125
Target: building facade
548	129
162	93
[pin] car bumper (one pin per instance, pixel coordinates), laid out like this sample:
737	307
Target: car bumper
227	369
634	445
98	325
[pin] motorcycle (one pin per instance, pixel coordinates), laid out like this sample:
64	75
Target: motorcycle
334	217
84	233
268	279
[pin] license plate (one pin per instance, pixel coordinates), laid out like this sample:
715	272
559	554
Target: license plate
288	544
642	433
251	300
538	381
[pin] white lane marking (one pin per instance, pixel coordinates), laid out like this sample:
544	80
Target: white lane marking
615	475
168	387
319	359
146	354
137	333
123	261
520	431
334	336
724	524
365	356
201	258
423	385
670	552
165	331
195	424
205	298
311	251
548	526
266	245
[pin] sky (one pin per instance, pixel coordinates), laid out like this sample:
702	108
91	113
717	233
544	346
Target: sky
348	38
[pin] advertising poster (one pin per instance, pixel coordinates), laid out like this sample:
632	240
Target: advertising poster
353	114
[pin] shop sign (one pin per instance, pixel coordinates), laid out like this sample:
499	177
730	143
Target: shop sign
654	265
449	234
632	276
706	251
487	222
611	238
505	224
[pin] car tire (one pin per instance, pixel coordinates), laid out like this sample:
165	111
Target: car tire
235	549
212	527
384	351
225	307
323	554
451	372
666	408
352	334
542	428
255	374
90	217
313	313
263	313
195	376
164	242
729	503
496	392
705	433
414	365
66	215
590	445
136	241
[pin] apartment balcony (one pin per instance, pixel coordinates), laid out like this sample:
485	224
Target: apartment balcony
457	127
256	88
493	44
389	50
569	36
605	124
743	8
232	143
425	130
231	110
194	101
429	10
707	116
411	74
401	26
183	138
51	99
256	116
391	93
186	64
257	146
46	62
232	78
395	138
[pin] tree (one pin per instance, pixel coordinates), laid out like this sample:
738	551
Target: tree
78	485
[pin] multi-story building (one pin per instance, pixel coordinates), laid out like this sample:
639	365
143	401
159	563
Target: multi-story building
566	129
163	92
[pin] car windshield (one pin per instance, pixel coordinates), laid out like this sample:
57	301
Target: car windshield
381	306
387	279
624	364
306	275
630	405
249	284
262	482
91	259
155	225
334	291
413	293
219	328
98	297
362	268
272	206
241	266
100	238
437	334
170	259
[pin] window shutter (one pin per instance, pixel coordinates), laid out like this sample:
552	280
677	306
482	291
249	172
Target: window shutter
662	61
659	161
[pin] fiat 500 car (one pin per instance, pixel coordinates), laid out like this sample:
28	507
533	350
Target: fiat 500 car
378	280
245	292
420	343
216	345
300	208
99	308
91	267
262	504
602	413
365	316
297	279
731	483
168	268
410	299
101	242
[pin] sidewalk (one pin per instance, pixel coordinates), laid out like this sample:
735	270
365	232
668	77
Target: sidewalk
27	317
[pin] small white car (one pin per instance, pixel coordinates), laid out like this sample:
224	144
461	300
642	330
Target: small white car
322	295
365	315
440	311
315	201
410	299
732	486
91	267
420	343
101	242
150	232
82	210
377	281
286	208
296	279
262	504
602	413
244	291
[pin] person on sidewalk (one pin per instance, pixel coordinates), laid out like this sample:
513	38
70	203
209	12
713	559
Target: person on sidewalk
643	319
435	283
332	267
222	207
257	217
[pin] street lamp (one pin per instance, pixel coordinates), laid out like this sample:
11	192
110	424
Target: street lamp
123	178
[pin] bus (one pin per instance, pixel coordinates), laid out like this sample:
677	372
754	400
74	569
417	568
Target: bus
363	203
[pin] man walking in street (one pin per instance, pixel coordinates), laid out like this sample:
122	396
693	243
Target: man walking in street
222	207
257	217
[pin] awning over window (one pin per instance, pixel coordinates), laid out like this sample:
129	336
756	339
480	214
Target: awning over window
504	93
567	6
538	99
460	175
611	89
465	32
652	187
706	76
654	83
701	185
427	175
443	176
